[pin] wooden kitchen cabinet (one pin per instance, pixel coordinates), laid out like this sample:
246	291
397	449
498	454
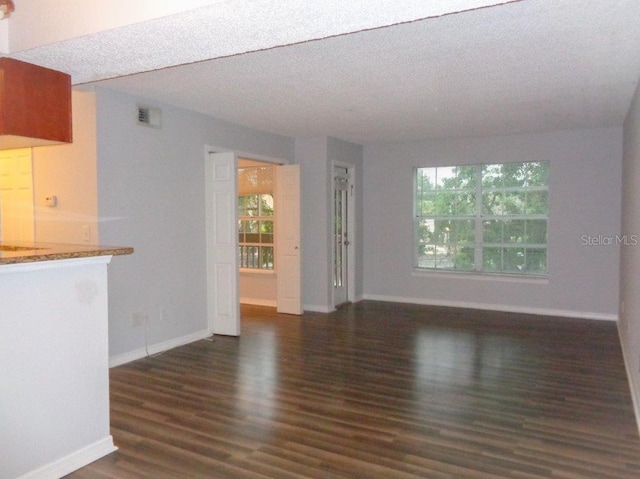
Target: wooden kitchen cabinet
35	105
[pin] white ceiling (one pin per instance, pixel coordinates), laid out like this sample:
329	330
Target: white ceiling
524	66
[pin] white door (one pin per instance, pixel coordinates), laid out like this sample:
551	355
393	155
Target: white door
288	269
222	244
340	235
16	196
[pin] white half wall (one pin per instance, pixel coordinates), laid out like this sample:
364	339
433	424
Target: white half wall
54	405
151	195
584	196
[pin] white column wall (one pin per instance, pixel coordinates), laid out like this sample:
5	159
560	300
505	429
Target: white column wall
629	324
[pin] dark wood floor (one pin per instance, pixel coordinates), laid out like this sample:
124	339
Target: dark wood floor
379	390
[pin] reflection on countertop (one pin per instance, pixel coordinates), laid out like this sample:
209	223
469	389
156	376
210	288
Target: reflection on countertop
20	252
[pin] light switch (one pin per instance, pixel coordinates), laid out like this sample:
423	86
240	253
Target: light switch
52	201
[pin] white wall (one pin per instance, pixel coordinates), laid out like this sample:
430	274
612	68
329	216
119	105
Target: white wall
151	196
629	323
69	172
54	406
584	195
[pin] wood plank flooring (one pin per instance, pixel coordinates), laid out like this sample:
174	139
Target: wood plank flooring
379	390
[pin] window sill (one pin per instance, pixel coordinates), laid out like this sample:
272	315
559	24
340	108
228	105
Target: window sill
470	275
259	272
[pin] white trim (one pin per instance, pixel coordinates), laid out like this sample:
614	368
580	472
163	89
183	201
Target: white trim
157	348
318	309
272	303
629	367
258	272
73	461
496	307
479	276
53	264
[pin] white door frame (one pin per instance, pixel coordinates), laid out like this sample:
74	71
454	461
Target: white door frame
211	288
353	233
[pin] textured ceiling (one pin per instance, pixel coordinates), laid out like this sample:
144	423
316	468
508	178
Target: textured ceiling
526	66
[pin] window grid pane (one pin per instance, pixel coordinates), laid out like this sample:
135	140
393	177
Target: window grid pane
256	231
489	218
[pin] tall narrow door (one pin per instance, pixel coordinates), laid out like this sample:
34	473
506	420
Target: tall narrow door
340	235
222	244
288	269
16	196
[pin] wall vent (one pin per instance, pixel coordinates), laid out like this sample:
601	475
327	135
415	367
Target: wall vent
148	116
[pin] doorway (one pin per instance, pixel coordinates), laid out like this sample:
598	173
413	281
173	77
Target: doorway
256	232
342	222
223	253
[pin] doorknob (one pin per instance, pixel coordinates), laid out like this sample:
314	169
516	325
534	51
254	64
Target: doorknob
346	243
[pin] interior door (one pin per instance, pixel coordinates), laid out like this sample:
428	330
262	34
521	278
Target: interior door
340	235
288	268
16	196
222	244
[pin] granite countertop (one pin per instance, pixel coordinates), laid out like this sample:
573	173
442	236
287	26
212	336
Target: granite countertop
17	252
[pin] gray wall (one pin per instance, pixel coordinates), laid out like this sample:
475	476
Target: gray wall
584	192
629	323
315	157
151	196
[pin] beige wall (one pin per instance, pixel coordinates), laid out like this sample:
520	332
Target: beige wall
69	173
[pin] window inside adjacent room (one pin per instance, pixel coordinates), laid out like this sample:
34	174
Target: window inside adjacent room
256	217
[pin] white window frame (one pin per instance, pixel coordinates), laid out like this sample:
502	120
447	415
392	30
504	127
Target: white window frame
479	218
257	182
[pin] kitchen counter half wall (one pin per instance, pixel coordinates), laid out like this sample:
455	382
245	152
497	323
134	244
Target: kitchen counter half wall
18	252
54	357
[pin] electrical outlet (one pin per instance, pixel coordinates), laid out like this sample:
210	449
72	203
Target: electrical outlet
138	319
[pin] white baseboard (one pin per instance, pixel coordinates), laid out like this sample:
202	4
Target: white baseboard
497	307
74	461
629	366
156	348
318	309
272	303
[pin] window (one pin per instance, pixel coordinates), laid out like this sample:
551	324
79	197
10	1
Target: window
482	218
255	218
